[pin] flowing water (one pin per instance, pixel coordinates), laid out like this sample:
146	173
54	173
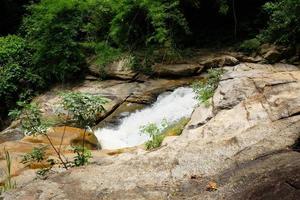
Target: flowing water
170	106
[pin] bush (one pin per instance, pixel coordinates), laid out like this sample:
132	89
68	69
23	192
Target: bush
17	79
82	156
146	22
205	89
250	45
284	23
83	108
53	30
13	50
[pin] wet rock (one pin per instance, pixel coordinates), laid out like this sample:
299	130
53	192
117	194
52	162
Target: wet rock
67	136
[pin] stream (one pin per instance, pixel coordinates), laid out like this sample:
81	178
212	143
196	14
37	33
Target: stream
169	106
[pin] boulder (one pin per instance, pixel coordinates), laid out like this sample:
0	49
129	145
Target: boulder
118	69
246	149
220	62
176	70
273	53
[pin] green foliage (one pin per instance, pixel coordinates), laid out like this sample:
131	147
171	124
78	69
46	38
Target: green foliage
9	183
250	45
155	133
17	80
224	7
146	21
55	30
13	50
52	30
31	119
36	155
104	55
82	156
205	89
284	23
84	108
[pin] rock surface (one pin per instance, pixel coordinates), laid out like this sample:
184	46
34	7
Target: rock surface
118	69
240	148
177	70
18	148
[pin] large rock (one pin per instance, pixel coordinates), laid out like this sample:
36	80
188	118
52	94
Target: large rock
118	69
176	70
220	62
273	53
241	148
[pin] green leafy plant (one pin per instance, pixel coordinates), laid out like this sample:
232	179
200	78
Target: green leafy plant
205	89
250	45
37	155
9	183
13	50
83	108
52	31
82	156
155	133
33	124
284	23
17	80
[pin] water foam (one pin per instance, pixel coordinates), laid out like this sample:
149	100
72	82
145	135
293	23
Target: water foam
171	106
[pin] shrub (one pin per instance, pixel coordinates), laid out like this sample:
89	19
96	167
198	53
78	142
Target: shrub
205	89
17	80
105	55
284	23
13	50
37	155
145	22
250	45
155	133
83	108
52	31
82	156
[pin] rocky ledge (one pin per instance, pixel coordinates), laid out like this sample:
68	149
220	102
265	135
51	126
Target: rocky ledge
244	146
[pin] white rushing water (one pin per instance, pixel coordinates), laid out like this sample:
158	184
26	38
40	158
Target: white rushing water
171	106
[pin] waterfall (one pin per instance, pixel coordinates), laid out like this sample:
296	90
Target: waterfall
170	106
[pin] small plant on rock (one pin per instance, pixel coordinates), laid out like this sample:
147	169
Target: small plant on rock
9	183
155	133
205	89
37	155
82	156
